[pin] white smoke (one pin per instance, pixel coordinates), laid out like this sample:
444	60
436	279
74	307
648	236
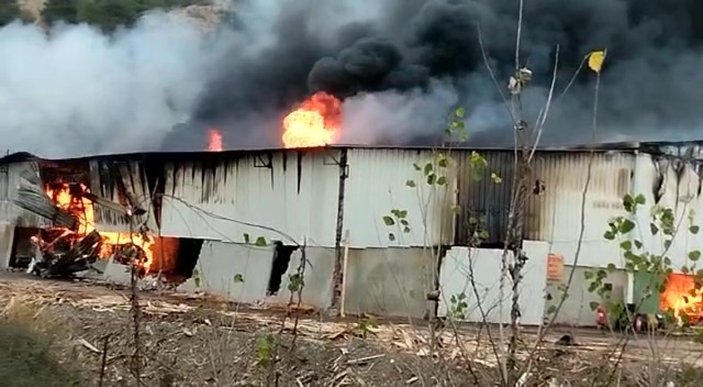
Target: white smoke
392	117
74	90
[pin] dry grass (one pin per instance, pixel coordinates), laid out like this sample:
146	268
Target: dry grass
27	337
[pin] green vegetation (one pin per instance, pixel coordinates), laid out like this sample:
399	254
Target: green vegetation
9	11
106	14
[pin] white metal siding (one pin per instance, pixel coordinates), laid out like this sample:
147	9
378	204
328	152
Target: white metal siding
555	216
377	184
679	191
9	211
295	195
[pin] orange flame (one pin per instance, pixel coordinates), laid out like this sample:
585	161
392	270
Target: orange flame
680	296
214	140
316	122
83	209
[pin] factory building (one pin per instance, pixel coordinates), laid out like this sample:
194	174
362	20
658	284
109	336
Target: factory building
375	235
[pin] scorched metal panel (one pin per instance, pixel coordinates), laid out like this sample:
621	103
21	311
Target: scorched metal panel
280	195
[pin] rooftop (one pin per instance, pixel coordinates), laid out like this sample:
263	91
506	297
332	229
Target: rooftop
660	147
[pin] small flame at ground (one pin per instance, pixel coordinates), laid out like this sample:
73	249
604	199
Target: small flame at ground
316	122
680	296
214	140
83	209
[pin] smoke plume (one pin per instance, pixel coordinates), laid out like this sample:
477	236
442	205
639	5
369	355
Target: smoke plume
399	65
403	65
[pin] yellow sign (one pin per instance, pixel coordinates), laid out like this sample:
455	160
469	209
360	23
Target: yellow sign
595	60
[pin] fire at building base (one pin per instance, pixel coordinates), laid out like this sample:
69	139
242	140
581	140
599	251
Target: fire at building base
71	243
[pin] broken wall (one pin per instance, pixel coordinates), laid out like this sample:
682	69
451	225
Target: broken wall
10	180
221	265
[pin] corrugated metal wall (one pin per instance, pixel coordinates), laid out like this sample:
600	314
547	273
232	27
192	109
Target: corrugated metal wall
106	179
377	185
557	181
10	178
480	197
289	192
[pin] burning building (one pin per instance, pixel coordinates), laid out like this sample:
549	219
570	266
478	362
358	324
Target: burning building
234	222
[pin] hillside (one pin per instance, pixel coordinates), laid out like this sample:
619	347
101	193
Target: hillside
106	14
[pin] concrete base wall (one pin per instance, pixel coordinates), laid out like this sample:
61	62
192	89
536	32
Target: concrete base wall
576	310
220	262
483	265
388	281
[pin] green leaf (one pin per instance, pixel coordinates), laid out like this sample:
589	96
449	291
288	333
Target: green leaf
588	275
441	180
428	168
417	167
694	255
626	226
404	222
391	236
443	162
406	229
247	238
459	112
653	229
612	267
609	235
552	309
594	305
638	244
238	278
628	203
626	245
410	183
431	178
388	220
260	241
639	199
685	269
667	243
402	214
694	229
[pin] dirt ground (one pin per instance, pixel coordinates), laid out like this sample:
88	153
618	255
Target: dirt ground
198	340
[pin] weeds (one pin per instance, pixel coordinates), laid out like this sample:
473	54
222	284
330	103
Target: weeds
27	338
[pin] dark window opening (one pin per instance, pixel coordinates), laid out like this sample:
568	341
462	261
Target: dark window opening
281	260
176	258
187	257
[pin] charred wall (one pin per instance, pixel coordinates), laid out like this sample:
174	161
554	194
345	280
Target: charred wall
555	188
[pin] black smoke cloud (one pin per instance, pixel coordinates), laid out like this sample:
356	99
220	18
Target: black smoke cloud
401	65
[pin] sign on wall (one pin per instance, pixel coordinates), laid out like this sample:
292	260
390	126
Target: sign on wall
555	267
